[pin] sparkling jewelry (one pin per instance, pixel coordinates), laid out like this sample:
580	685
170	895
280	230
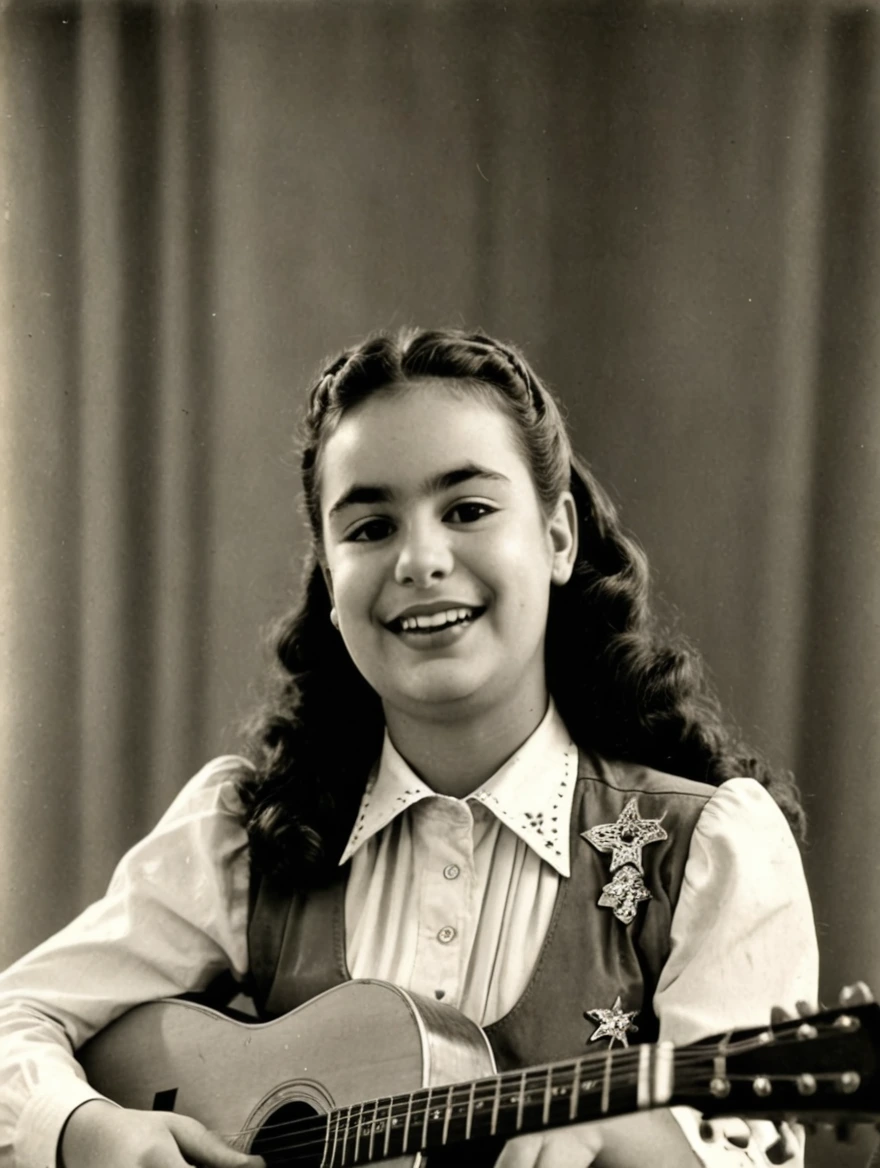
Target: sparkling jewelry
623	894
613	1024
626	838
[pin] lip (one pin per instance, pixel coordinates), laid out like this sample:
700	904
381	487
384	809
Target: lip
432	608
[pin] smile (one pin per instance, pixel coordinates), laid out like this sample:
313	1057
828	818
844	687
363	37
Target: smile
435	622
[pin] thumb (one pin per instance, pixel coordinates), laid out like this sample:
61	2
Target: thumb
206	1148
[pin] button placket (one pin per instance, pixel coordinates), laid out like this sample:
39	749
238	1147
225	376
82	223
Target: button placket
446	838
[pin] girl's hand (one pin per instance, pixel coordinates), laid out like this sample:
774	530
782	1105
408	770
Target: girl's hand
778	1142
568	1147
647	1137
99	1133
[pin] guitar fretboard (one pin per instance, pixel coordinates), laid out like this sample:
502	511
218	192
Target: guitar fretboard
504	1105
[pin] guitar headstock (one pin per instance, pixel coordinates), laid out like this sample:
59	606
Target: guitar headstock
825	1066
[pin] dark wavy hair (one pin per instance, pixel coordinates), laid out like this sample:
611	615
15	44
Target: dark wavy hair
623	687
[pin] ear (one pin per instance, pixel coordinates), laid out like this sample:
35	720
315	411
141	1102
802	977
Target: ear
563	533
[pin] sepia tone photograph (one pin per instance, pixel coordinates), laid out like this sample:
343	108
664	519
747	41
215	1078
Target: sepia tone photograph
440	583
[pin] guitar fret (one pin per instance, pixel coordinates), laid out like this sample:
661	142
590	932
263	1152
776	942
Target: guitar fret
343	1117
388	1127
447	1115
575	1092
406	1123
548	1095
373	1129
381	1126
484	1108
644	1080
332	1119
357	1133
520	1103
470	1112
326	1143
399	1122
606	1081
345	1135
496	1104
427	1116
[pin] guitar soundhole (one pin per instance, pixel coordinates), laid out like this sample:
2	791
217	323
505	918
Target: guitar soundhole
287	1136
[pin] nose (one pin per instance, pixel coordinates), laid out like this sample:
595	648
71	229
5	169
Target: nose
424	556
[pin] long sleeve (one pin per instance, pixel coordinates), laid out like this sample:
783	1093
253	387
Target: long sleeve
742	939
174	916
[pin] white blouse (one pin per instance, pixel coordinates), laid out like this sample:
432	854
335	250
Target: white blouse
447	897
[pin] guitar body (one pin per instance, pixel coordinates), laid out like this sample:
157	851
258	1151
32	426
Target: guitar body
360	1040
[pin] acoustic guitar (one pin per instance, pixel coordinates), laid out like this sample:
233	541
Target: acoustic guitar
368	1072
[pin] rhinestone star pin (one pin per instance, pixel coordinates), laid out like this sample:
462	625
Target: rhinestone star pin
623	894
626	838
613	1023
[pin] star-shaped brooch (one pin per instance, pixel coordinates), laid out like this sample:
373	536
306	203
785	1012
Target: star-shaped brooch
626	838
613	1023
623	894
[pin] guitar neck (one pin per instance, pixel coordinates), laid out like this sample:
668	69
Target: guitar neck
505	1105
793	1070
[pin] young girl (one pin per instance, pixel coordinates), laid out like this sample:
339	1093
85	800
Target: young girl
483	764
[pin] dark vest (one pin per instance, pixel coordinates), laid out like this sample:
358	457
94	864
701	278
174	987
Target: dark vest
589	957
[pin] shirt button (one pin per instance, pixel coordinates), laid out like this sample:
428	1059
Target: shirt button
452	871
446	934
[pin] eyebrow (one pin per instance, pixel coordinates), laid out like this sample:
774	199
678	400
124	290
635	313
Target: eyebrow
436	484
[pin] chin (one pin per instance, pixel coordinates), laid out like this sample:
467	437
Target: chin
444	694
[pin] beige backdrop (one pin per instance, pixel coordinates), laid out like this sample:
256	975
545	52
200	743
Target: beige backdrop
672	206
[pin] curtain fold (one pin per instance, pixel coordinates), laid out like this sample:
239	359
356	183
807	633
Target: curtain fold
107	398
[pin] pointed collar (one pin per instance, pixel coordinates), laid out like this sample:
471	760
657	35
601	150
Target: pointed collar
531	793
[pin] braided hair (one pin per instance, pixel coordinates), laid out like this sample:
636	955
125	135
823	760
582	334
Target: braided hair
623	687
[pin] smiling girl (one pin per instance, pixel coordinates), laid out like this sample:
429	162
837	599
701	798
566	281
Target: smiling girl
484	776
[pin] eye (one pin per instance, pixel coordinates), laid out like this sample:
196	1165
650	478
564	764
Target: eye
369	532
469	512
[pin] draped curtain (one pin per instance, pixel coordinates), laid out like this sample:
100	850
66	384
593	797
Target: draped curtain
673	207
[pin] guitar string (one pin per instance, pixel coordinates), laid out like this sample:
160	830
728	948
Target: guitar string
417	1113
323	1132
564	1073
341	1142
392	1107
306	1149
485	1092
280	1138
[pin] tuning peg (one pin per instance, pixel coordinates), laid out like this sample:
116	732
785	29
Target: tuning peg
855	995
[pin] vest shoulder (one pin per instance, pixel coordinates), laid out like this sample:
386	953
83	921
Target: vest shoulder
632	777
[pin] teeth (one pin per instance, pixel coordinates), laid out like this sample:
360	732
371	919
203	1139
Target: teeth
435	620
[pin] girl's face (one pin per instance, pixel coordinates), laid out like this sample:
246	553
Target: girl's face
438	554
